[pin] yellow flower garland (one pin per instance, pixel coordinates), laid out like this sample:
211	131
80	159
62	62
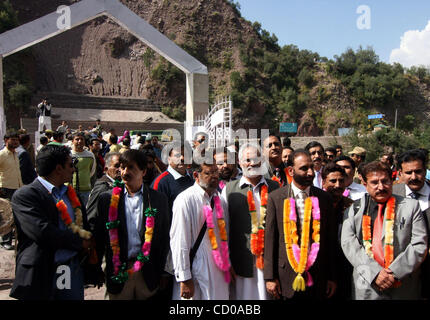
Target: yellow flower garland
291	238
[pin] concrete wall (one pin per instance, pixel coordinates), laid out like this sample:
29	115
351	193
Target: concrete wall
326	141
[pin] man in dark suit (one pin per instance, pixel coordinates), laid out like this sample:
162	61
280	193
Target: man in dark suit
278	272
105	183
44	241
134	202
412	175
334	177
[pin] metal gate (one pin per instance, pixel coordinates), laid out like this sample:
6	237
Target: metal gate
217	123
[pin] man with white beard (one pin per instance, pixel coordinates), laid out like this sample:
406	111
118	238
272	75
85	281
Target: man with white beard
247	199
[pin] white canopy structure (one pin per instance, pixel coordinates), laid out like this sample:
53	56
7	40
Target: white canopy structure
65	18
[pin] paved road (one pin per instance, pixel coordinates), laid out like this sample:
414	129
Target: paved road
7	274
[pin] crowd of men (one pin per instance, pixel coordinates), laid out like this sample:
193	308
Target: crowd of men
242	222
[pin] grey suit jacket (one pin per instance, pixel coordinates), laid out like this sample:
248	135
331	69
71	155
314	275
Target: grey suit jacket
410	246
400	190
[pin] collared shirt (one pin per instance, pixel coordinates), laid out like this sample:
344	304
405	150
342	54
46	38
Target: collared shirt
110	178
423	198
356	191
296	191
10	173
61	255
256	192
318	179
176	175
134	215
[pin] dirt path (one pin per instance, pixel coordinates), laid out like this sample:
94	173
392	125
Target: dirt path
7	274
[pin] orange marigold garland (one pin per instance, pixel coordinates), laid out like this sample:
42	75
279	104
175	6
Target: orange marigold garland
257	225
77	226
287	174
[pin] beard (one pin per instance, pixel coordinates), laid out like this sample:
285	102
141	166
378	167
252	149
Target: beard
252	172
208	185
225	174
303	180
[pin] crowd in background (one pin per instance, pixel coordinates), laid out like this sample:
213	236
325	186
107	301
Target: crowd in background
243	198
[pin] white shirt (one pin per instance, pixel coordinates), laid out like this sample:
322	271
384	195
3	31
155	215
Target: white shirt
356	191
187	221
424	196
134	213
255	192
318	179
296	191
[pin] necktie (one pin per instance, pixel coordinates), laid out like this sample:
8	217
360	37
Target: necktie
415	195
301	204
279	175
378	252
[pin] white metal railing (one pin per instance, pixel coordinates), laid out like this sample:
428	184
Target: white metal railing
218	122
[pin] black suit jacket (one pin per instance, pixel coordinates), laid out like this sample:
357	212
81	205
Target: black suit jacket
152	269
36	219
103	184
276	264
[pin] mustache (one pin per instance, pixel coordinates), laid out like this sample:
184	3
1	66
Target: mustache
381	193
317	159
415	181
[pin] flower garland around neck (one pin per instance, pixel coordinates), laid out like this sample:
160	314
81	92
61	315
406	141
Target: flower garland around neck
257	225
390	215
287	175
77	225
121	273
298	257
219	252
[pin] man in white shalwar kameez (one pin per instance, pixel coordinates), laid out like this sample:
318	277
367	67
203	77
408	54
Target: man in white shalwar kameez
249	281
204	280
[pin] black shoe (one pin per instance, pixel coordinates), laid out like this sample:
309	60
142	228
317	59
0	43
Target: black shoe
6	246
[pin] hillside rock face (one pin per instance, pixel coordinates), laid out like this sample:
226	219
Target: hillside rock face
102	59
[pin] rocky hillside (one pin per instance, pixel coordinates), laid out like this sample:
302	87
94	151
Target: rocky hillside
102	59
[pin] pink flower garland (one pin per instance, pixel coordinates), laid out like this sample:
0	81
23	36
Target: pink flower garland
114	239
113	233
315	247
220	255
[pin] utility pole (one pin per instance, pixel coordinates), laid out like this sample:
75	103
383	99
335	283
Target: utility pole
395	120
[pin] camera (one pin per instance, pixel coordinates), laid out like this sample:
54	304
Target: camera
75	162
